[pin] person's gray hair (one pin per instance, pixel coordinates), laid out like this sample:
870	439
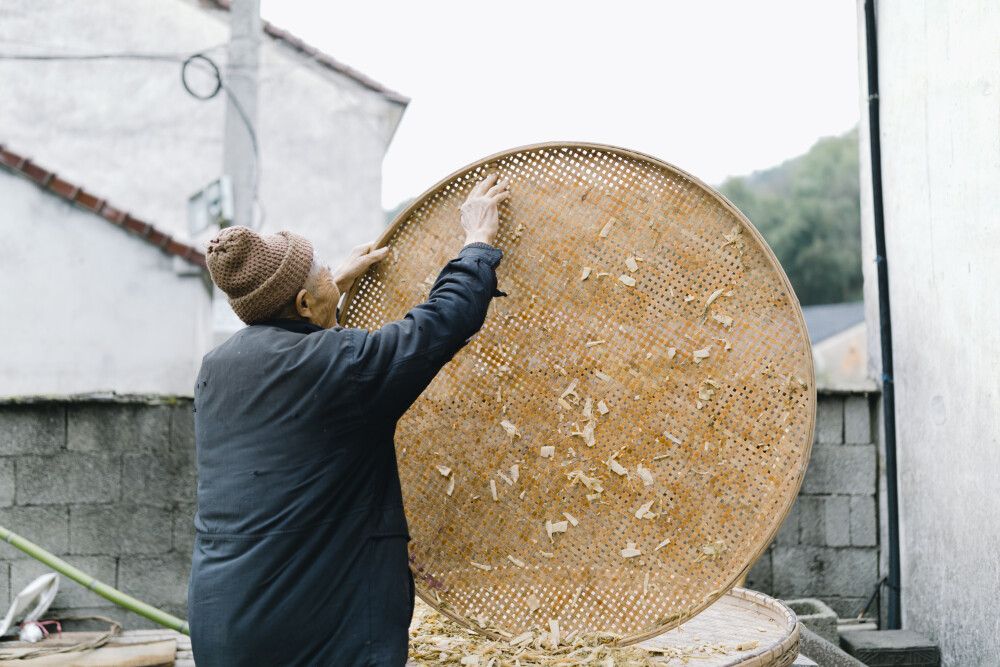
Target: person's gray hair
317	267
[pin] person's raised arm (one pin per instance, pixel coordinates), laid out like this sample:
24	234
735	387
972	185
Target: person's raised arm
395	364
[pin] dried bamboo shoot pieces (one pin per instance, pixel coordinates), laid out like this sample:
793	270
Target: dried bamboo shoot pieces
630	551
511	430
643	511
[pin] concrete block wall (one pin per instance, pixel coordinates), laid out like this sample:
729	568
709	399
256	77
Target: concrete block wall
108	485
828	546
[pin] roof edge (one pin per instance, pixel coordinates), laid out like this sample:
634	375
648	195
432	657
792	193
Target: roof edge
76	195
322	58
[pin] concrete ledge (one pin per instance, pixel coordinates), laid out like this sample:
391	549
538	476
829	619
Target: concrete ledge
816	616
96	397
823	652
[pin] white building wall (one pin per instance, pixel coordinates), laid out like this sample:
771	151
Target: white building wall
939	72
127	130
88	307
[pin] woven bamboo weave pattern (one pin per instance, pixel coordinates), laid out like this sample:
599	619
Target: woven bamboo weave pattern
650	339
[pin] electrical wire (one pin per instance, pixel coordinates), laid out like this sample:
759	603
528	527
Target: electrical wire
240	111
201	59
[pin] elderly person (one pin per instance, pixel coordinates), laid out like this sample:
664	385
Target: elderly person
301	556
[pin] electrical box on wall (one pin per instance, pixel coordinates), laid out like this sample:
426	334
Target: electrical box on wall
212	206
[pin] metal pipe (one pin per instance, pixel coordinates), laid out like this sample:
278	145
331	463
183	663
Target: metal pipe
893	613
84	579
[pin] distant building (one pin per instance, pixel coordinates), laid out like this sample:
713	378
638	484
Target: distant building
839	343
88	308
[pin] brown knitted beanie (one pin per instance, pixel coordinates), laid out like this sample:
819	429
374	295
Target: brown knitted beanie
259	274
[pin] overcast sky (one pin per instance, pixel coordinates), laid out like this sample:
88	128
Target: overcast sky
715	87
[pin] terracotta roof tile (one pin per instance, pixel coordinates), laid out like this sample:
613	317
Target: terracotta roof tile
64	189
35	173
74	194
88	201
112	214
323	58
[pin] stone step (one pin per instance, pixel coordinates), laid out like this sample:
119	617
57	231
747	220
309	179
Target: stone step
891	648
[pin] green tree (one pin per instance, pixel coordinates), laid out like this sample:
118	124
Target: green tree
809	211
391	214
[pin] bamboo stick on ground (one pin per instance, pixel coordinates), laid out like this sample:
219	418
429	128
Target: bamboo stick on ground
102	589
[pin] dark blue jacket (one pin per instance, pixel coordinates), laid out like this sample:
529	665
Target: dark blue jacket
300	556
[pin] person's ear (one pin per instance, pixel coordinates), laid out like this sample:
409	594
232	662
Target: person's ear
303	304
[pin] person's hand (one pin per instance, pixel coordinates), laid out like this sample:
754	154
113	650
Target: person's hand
480	218
358	261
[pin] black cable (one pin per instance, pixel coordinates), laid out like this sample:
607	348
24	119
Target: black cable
876	594
894	603
92	56
198	57
186	61
240	111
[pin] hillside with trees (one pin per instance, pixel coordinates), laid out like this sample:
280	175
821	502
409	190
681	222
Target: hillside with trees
808	209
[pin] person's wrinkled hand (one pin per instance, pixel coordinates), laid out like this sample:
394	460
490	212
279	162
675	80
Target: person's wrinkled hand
480	218
358	261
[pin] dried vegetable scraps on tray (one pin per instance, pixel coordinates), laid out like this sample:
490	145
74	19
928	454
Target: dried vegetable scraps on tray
436	640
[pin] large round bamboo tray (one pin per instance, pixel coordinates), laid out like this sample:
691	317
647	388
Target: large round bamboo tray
681	408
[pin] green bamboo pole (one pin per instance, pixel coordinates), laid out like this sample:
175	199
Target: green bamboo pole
105	591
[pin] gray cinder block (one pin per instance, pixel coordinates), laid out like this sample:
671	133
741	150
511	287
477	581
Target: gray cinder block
812	521
857	419
158	580
32	429
119	529
829	419
847	470
68	478
864	525
4	583
71	594
160	479
116	427
759	576
788	534
183	529
837	521
48	527
851	572
6	482
182	426
797	571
